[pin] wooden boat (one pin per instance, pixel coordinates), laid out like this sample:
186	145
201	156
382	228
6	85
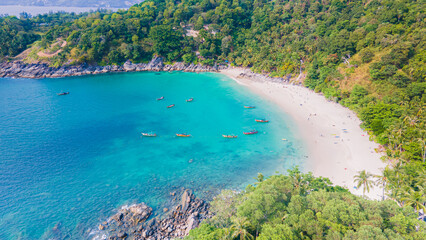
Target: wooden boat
190	100
262	120
249	107
63	93
182	135
161	98
229	136
284	139
170	106
251	132
149	134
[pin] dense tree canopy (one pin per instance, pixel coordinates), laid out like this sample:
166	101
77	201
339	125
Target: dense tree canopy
16	34
299	206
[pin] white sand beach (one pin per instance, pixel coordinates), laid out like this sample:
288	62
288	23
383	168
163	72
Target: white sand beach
338	147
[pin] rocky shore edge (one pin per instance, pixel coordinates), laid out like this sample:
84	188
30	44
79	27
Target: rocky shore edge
19	69
135	221
263	77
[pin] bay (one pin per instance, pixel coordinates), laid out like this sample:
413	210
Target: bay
70	161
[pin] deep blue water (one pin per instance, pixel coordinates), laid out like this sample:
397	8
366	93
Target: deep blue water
69	161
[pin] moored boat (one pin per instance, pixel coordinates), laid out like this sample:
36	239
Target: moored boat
149	134
161	98
229	136
170	106
63	93
251	132
190	100
249	107
182	135
262	120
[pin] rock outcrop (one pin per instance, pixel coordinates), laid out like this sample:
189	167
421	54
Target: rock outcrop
132	222
41	70
247	73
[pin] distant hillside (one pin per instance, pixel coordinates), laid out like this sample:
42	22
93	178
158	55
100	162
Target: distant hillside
73	3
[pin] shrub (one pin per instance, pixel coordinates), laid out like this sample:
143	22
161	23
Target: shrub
366	55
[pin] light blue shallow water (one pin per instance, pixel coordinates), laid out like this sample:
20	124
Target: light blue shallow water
71	160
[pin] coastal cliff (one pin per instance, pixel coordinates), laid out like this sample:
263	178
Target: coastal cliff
19	69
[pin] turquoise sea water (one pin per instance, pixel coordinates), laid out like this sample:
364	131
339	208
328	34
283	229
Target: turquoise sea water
66	162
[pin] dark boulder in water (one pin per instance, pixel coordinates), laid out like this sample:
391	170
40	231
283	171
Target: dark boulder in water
134	222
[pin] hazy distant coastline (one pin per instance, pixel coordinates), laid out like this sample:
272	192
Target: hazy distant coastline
15	10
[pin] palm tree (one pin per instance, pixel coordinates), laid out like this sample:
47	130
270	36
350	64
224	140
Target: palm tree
398	172
423	147
298	180
416	199
227	235
396	195
399	131
421	179
363	179
382	180
412	121
240	226
259	178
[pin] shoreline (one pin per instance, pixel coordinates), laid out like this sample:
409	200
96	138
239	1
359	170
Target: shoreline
336	150
17	69
337	146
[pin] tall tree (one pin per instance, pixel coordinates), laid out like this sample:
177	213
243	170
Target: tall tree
364	179
382	180
240	228
416	199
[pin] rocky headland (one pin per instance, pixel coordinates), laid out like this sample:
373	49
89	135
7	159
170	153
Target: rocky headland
17	69
136	221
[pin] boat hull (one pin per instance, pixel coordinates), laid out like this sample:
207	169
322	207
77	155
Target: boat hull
229	136
183	135
149	134
250	133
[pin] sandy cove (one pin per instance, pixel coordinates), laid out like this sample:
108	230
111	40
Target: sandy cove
337	146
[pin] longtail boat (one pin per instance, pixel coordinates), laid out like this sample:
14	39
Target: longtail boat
229	136
251	132
262	120
170	106
149	134
249	107
190	100
182	135
63	93
161	98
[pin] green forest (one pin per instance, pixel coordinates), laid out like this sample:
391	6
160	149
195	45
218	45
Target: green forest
368	55
300	206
